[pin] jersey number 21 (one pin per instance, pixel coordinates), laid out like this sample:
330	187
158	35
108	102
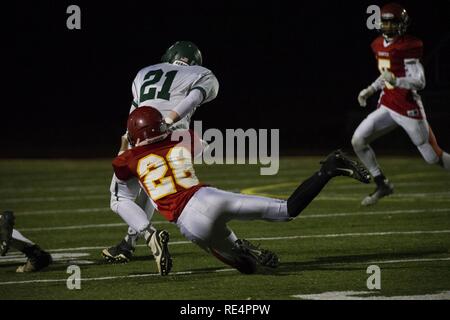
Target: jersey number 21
152	82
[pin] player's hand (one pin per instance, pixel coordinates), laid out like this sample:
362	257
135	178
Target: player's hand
123	143
169	121
389	77
364	95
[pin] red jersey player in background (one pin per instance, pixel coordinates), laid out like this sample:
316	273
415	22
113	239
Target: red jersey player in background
163	164
402	75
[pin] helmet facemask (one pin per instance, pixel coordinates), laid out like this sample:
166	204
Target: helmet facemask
391	28
394	21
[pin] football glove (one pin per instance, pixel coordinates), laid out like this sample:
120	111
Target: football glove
364	95
389	77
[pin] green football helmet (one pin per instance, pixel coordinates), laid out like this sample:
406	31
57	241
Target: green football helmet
183	53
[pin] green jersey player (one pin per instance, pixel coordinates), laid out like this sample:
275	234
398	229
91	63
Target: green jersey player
175	87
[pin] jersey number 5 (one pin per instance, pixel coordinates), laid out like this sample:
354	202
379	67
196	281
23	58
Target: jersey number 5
152	82
385	65
153	168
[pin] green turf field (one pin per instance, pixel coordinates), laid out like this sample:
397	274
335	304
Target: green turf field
64	206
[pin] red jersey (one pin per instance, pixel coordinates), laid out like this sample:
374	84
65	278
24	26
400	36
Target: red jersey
165	171
392	58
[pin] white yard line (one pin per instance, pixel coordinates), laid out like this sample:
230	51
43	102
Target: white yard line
441	196
61	211
368	295
356	234
313	236
85	226
200	272
57	199
308	216
16	190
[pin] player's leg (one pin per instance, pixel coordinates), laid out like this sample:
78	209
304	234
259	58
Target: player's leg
37	258
199	224
10	237
121	191
444	157
250	207
377	124
424	139
7	221
137	219
204	218
157	240
123	251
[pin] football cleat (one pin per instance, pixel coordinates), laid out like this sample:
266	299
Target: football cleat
37	260
121	253
245	263
263	257
158	244
383	190
6	228
338	164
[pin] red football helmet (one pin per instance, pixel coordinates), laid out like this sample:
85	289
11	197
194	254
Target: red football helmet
394	20
146	124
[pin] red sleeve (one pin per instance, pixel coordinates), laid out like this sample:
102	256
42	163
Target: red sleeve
375	45
121	168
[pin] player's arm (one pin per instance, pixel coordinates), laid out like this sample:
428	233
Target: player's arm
203	90
124	144
121	169
191	101
414	78
134	91
366	93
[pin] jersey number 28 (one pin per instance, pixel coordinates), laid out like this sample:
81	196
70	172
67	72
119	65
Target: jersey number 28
153	168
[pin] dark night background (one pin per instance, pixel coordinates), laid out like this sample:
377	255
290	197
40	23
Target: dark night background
297	66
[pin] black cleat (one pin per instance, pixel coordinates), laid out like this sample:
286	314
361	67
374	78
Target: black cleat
7	220
245	264
37	260
263	257
158	244
121	253
338	164
382	190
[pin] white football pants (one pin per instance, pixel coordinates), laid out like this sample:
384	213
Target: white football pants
203	220
384	120
132	204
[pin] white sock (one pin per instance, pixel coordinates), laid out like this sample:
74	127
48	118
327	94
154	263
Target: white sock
446	161
132	214
16	235
367	157
131	237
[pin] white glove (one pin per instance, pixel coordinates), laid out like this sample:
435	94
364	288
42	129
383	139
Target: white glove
389	77
124	144
364	95
168	121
